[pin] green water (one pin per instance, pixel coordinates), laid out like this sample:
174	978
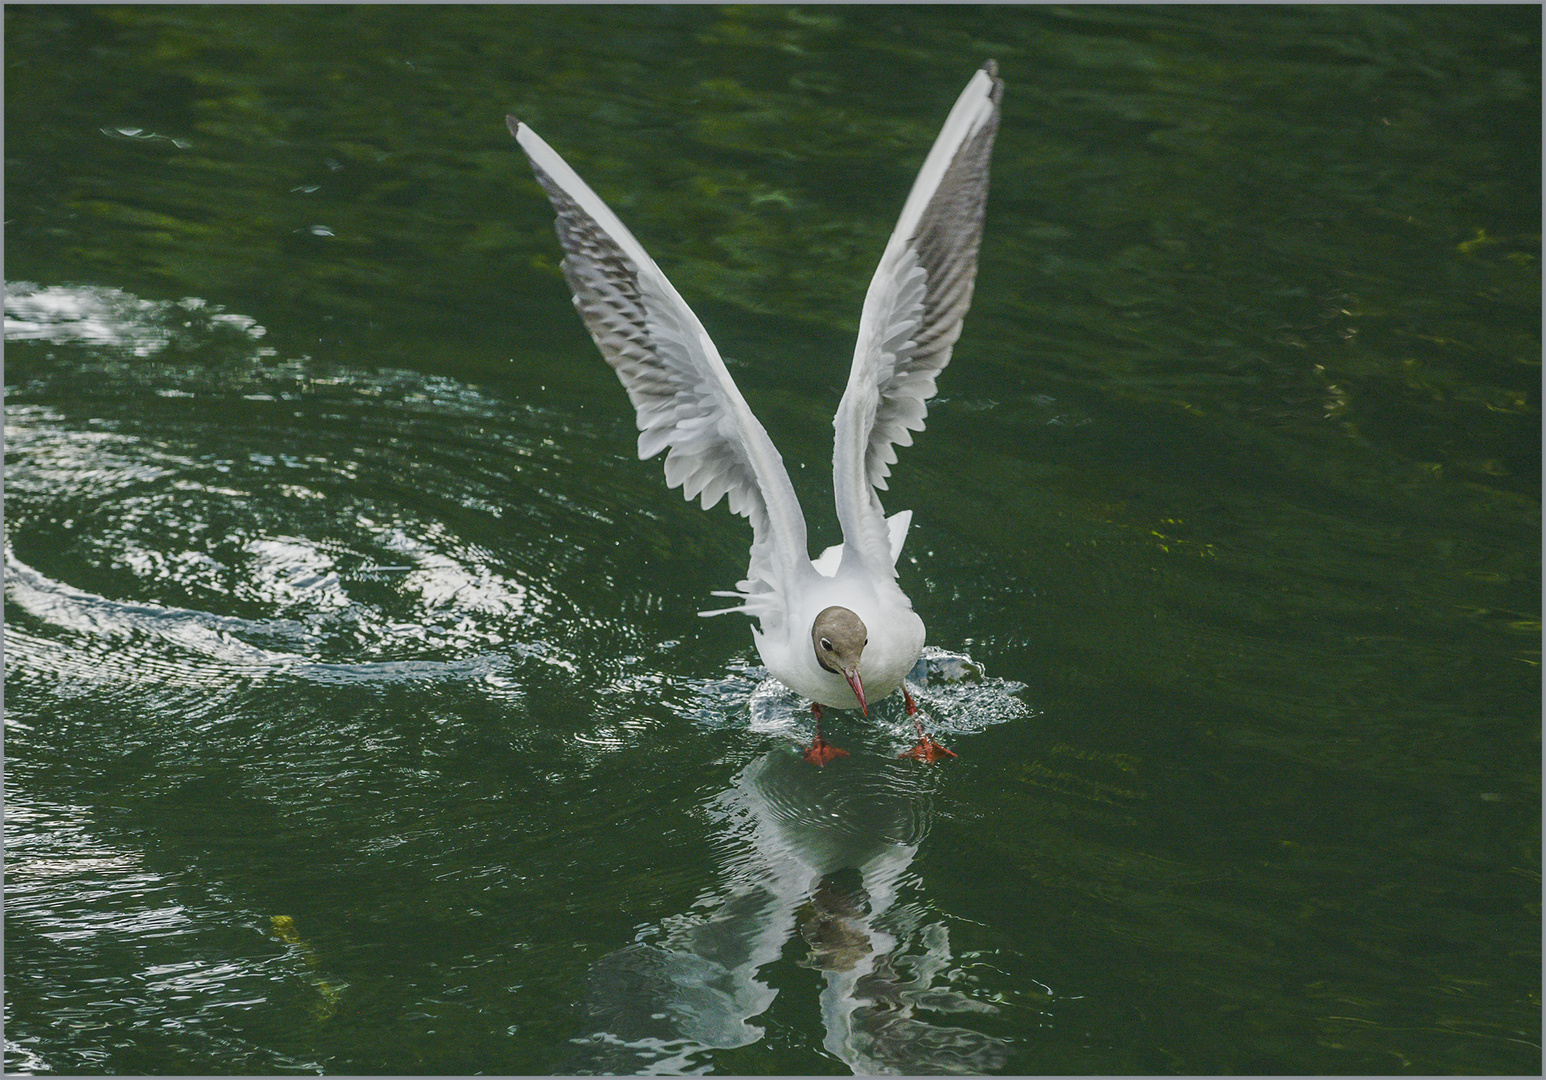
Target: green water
358	717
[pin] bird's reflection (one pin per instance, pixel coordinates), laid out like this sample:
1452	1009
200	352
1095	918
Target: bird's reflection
811	860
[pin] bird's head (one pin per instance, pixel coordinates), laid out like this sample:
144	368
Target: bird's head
839	637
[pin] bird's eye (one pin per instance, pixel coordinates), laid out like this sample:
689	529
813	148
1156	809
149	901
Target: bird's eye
825	644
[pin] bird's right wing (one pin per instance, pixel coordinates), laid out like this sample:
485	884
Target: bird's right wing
686	401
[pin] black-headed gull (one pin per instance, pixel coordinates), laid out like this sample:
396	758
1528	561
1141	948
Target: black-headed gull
836	629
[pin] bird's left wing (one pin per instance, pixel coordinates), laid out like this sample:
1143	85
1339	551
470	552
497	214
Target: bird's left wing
912	317
679	386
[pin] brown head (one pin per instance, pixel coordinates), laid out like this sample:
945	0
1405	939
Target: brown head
839	637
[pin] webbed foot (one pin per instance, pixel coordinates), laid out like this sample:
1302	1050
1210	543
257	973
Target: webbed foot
820	752
927	750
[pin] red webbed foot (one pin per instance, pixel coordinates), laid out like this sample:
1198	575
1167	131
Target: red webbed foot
820	752
927	750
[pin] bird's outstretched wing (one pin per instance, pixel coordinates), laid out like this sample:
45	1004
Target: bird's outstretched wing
912	317
686	401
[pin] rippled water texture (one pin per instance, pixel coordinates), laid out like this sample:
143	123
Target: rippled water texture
359	718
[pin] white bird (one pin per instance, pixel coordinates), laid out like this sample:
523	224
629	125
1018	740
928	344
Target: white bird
836	629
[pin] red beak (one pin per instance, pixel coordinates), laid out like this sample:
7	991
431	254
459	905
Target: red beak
858	689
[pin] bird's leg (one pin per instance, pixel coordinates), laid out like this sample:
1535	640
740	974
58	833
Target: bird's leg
926	749
820	751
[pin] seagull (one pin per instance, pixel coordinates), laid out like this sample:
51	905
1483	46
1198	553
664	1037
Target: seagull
836	629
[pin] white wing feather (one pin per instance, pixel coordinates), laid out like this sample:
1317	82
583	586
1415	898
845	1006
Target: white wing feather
912	317
686	401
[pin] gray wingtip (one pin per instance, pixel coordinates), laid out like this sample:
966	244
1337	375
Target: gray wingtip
515	125
990	68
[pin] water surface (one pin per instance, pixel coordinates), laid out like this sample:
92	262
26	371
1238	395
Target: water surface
359	718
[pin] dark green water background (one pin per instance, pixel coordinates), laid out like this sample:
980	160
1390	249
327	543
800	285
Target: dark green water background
358	717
